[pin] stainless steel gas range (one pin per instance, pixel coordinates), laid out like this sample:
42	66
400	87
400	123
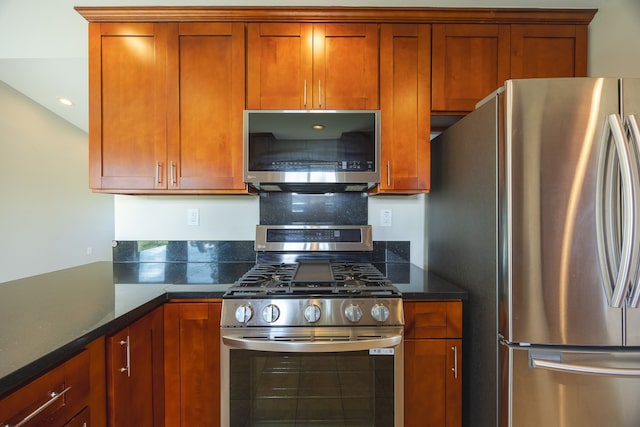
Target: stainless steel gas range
312	335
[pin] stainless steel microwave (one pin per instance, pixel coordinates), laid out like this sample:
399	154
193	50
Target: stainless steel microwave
312	151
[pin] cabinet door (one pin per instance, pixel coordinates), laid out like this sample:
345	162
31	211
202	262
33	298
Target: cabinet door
433	383
548	51
279	65
192	364
306	66
469	61
345	66
127	106
135	377
207	75
405	96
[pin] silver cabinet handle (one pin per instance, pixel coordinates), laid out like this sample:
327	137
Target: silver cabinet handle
319	94
304	94
53	396
310	346
388	173
583	369
127	367
455	361
173	173
158	169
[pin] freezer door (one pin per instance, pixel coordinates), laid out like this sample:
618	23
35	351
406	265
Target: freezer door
551	283
536	396
630	113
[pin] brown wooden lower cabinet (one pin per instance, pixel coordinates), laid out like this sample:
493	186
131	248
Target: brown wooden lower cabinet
433	364
192	363
63	396
135	367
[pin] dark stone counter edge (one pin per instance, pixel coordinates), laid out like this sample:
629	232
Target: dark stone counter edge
438	289
38	367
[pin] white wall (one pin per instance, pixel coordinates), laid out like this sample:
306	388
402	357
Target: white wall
48	216
613	40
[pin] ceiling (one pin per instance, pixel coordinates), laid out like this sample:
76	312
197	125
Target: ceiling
43	43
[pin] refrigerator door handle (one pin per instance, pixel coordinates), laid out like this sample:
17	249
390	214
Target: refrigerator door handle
583	369
633	132
616	261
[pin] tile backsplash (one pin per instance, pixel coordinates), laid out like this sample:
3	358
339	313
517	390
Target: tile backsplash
215	262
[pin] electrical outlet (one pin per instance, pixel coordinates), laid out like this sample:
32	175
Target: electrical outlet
386	219
193	216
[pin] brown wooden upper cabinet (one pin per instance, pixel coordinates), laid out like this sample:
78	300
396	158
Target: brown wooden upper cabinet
472	60
312	66
404	105
469	62
166	103
548	51
167	86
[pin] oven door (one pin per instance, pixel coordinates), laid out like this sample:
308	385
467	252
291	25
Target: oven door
312	376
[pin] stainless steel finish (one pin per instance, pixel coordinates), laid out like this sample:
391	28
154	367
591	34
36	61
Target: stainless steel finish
127	346
631	124
388	173
373	339
583	369
275	180
353	313
270	313
174	179
312	313
304	94
365	243
380	312
534	397
53	397
311	340
333	312
455	361
553	281
630	108
243	313
616	265
158	178
522	197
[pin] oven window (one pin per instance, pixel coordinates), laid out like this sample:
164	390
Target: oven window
311	389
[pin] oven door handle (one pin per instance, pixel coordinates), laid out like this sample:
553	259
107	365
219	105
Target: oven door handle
324	346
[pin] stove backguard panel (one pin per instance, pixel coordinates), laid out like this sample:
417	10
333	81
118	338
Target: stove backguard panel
318	209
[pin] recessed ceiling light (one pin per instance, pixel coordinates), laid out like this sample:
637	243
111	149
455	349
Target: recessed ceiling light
318	127
65	101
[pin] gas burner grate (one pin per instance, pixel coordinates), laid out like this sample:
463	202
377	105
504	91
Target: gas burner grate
348	279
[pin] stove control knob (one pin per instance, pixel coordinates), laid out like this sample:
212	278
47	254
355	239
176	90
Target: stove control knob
244	313
270	313
312	313
380	312
353	313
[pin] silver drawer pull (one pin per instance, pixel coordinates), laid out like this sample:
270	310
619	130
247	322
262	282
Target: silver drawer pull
53	396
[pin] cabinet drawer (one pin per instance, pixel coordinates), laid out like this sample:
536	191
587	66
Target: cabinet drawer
433	319
52	399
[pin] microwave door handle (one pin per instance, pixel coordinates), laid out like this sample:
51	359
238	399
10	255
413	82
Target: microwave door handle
611	263
633	131
293	346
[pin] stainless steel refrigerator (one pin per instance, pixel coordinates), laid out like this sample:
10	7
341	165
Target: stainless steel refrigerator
535	210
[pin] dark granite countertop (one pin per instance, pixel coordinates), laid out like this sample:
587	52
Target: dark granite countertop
47	318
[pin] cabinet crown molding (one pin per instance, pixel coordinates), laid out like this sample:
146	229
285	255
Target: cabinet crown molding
337	14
